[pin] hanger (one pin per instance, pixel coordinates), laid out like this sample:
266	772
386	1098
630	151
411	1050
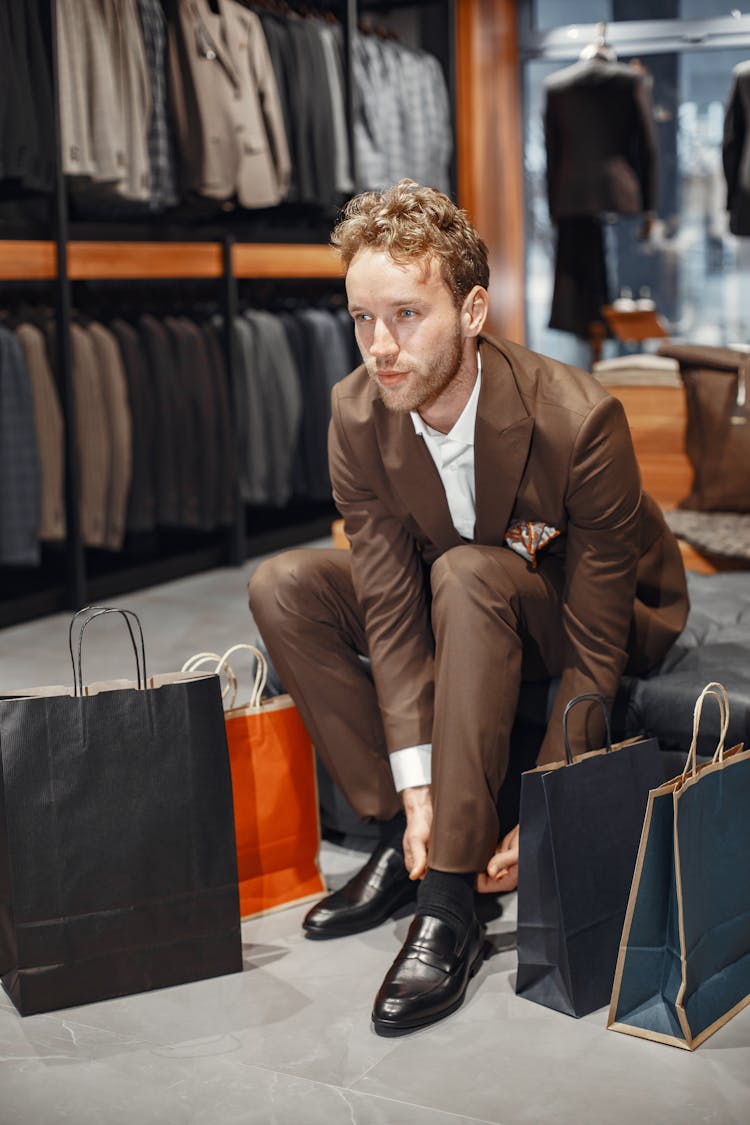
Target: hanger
599	48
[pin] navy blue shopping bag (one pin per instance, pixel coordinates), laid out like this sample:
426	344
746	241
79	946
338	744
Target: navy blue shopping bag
580	824
683	968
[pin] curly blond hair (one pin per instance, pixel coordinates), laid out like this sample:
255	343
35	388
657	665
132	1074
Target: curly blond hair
409	221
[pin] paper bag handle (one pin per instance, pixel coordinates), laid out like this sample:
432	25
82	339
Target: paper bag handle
592	697
261	675
99	611
718	691
201	658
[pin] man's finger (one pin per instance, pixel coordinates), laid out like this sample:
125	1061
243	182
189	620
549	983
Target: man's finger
501	862
418	865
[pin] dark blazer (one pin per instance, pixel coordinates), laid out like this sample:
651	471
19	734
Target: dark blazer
141	512
20	474
601	140
551	444
163	373
186	421
199	368
224	440
736	151
26	116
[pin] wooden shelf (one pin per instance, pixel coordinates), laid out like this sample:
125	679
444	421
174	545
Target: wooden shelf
90	261
27	261
122	260
285	260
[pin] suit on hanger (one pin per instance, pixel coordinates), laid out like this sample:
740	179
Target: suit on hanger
736	151
253	439
20	475
133	92
141	510
607	593
161	153
601	140
91	117
224	439
28	130
282	401
168	411
186	422
48	421
226	103
119	424
92	438
197	373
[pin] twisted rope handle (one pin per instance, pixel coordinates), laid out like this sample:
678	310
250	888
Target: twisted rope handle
202	658
93	612
261	674
591	697
718	691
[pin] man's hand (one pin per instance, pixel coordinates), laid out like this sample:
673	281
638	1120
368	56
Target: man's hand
502	870
418	809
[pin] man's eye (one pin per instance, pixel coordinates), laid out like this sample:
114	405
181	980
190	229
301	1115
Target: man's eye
408	313
362	318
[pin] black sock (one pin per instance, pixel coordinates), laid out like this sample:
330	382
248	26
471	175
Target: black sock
392	831
448	896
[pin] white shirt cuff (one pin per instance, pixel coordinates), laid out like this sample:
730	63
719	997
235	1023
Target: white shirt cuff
412	766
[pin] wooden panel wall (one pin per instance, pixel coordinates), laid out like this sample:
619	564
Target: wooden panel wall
490	149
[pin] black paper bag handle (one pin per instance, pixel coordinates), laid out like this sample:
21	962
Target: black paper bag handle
592	697
99	611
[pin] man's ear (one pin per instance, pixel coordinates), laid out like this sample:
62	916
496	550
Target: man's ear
474	311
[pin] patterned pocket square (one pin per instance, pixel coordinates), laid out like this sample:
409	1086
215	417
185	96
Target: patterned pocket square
527	537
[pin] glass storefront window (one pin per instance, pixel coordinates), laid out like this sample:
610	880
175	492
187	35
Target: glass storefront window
695	270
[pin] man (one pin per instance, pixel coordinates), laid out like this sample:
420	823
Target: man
498	533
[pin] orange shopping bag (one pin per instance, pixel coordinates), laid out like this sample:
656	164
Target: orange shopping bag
275	792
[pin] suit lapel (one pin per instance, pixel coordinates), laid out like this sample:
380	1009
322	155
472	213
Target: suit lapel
502	437
414	476
210	36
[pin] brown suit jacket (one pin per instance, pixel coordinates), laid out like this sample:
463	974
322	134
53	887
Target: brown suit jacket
551	444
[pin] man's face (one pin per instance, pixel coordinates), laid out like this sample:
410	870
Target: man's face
407	326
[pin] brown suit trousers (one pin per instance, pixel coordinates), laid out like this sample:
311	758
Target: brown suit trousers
495	621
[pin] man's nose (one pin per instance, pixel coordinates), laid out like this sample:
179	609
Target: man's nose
383	343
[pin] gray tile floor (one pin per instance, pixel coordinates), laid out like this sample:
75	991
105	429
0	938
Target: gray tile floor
288	1041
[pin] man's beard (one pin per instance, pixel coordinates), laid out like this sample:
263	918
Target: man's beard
431	380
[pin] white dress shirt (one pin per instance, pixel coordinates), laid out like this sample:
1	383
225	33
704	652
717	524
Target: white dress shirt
453	454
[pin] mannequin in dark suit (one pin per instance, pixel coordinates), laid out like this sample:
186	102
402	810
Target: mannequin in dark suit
736	151
498	533
601	158
601	142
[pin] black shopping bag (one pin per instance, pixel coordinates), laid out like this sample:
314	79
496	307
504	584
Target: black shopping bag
580	824
117	859
684	964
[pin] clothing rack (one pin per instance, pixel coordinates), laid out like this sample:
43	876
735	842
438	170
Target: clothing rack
223	252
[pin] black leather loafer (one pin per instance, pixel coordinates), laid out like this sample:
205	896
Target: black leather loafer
428	979
370	896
